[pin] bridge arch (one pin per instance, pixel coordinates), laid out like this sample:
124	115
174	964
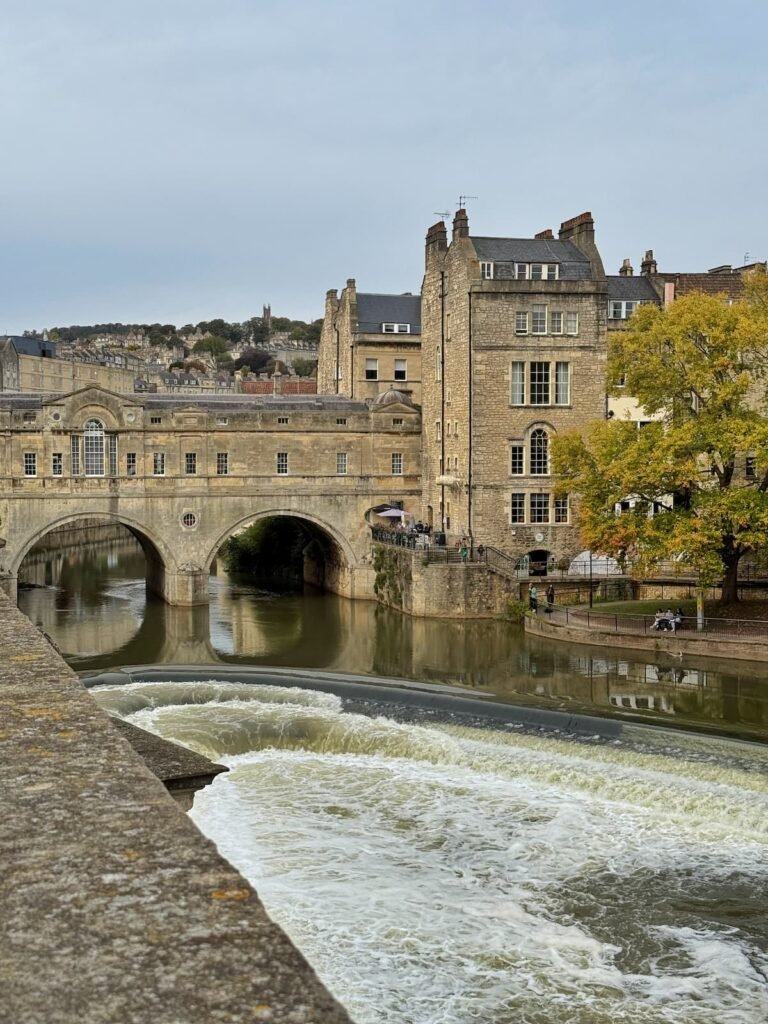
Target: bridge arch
154	548
327	529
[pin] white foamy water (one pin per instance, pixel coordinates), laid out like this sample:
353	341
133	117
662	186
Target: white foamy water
447	875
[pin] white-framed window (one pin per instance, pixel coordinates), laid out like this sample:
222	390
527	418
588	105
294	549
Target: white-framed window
522	271
539	383
556	322
572	323
562	383
551	271
517	384
341	463
539	452
338	372
561	509
621	309
486	271
396	328
74	454
130	463
282	463
222	463
30	464
517	459
517	508
371	369
57	464
158	463
93	448
521	322
539	320
397	463
190	463
539	505
401	369
112	454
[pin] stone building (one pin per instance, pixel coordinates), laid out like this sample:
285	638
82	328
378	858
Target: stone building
369	344
513	347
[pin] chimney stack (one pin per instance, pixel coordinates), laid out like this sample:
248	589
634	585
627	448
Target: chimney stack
649	265
626	269
546	233
460	224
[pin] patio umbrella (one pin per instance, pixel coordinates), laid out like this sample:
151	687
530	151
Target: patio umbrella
391	513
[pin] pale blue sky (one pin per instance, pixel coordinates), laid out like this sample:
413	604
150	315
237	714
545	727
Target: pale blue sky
180	160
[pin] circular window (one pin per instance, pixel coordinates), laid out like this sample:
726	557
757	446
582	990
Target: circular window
56	416
129	416
189	519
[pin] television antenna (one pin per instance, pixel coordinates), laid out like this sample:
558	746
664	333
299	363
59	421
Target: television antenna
442	214
463	201
747	258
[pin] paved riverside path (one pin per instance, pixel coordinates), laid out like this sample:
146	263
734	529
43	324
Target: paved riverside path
114	908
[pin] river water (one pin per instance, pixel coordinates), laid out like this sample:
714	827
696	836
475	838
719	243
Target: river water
437	872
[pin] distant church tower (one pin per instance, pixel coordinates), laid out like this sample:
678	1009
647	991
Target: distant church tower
267	318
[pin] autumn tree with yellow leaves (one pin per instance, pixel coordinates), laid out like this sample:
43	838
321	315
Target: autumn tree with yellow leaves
698	473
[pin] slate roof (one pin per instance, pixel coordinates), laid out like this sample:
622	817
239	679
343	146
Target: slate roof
375	310
31	346
631	289
574	265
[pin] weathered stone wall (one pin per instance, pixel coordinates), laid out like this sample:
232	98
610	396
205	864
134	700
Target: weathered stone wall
183	517
114	906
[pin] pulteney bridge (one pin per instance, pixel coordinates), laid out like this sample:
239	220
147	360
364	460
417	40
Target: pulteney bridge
184	476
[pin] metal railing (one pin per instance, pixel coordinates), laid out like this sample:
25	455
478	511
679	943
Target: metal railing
605	622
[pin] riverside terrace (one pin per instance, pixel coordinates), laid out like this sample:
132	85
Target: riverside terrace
115	908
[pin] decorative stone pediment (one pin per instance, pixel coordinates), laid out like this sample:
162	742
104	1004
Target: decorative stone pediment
73	410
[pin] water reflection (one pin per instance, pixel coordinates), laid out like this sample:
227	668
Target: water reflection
92	601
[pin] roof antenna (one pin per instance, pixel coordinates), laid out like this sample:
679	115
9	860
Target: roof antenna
442	214
747	258
463	200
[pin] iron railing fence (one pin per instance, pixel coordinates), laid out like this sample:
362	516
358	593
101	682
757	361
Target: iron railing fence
607	622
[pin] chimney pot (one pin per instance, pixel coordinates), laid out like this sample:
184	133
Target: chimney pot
626	269
649	265
461	224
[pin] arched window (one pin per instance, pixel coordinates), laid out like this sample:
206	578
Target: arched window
539	452
93	448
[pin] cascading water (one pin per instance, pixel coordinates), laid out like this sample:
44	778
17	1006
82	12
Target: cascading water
443	874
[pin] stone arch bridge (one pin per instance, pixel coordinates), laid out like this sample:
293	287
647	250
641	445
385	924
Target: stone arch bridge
184	476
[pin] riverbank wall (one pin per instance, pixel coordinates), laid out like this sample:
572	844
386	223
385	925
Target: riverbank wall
658	644
114	906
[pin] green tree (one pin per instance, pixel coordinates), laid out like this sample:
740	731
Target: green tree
214	344
304	367
699	472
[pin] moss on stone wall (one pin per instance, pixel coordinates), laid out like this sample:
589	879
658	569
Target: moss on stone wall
393	574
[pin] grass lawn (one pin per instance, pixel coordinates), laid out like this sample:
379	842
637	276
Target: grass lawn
757	610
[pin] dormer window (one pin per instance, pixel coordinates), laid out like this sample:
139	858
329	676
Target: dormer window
396	328
486	271
537	271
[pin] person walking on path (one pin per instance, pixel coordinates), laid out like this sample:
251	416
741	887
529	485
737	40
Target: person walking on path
550	598
533	598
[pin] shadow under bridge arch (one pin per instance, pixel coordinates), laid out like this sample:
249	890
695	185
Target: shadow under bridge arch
286	546
75	529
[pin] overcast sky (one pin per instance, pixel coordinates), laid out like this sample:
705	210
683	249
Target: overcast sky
177	160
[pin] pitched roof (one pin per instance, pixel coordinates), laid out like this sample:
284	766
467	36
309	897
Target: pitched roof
631	289
375	310
27	346
574	265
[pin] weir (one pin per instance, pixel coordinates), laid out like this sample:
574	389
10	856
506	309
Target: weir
114	906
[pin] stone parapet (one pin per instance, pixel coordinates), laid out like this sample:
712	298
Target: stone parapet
114	906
